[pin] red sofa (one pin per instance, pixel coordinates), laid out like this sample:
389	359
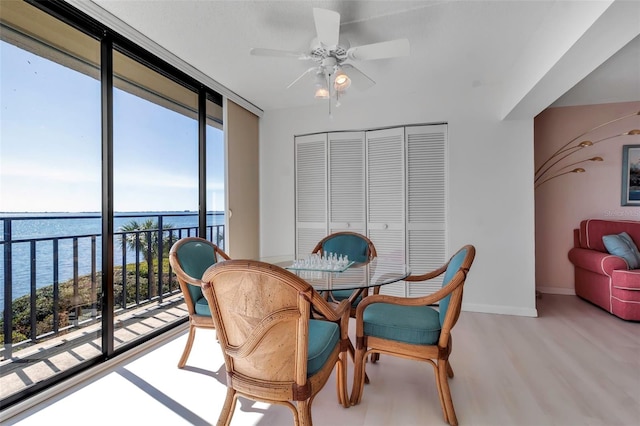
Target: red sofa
601	278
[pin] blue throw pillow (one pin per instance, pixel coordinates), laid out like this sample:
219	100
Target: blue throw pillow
622	245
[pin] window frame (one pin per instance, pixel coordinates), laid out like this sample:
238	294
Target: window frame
112	41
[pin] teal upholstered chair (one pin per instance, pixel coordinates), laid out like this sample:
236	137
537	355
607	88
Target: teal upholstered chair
411	328
189	257
273	351
358	248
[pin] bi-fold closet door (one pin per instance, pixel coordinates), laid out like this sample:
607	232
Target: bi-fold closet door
311	191
426	189
330	188
386	197
346	180
387	184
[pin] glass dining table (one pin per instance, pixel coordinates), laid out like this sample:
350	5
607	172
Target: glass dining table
377	272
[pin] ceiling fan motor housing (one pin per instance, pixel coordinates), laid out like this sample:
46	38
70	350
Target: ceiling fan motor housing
319	52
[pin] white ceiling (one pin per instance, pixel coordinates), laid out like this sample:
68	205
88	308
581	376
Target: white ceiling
616	80
454	44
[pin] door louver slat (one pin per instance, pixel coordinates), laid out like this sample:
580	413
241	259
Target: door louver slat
346	178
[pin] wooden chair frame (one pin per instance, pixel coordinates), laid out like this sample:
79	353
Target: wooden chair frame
184	280
372	254
271	378
437	355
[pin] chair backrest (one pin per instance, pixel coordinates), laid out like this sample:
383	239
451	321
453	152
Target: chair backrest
190	257
358	247
261	313
460	262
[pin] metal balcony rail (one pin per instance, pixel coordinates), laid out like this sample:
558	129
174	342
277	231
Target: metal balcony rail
142	274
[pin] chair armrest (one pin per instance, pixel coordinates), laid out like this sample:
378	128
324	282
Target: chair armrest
428	275
596	261
329	312
457	280
339	313
222	254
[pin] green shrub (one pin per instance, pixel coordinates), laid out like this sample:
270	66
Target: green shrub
85	299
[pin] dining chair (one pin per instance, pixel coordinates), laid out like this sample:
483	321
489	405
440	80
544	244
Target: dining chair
189	257
273	350
409	327
358	248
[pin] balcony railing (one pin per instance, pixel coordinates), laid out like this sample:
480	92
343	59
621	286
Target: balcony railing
142	274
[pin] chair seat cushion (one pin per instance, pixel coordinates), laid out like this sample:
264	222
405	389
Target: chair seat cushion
202	307
417	325
323	338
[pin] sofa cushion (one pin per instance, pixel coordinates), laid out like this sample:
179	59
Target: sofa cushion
592	231
622	245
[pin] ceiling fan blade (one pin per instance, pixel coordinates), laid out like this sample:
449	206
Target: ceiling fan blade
258	51
302	76
359	79
382	50
327	26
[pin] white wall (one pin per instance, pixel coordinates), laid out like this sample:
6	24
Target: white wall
490	185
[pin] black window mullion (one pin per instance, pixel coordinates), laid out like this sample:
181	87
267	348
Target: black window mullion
106	60
202	163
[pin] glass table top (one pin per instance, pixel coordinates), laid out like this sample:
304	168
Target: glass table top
379	271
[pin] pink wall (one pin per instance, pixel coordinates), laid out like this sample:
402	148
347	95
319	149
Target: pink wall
563	202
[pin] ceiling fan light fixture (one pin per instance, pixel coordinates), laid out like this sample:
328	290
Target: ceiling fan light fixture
321	88
341	81
322	93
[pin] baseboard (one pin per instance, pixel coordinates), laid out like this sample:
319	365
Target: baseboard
501	310
557	290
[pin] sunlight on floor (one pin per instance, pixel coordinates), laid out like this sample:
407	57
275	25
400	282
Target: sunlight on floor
149	389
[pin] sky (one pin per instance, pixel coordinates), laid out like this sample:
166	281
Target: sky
50	153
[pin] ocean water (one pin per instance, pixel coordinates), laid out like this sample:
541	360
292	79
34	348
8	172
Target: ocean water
42	227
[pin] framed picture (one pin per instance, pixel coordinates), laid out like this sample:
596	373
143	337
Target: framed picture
631	175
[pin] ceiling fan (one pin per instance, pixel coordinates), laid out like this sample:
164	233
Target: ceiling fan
331	54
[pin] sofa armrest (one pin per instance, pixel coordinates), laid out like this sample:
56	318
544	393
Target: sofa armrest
627	280
596	261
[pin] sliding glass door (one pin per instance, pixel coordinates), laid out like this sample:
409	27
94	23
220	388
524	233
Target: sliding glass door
50	198
106	161
155	195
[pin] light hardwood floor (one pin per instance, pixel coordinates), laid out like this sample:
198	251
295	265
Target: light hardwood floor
574	365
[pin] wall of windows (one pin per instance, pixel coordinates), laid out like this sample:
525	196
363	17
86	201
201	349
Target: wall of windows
101	157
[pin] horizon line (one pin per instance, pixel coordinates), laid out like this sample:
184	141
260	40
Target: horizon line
120	211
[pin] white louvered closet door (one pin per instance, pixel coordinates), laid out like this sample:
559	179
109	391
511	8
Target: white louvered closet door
311	191
426	242
386	197
346	182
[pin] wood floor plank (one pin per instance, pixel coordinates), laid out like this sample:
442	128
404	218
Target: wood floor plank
574	365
